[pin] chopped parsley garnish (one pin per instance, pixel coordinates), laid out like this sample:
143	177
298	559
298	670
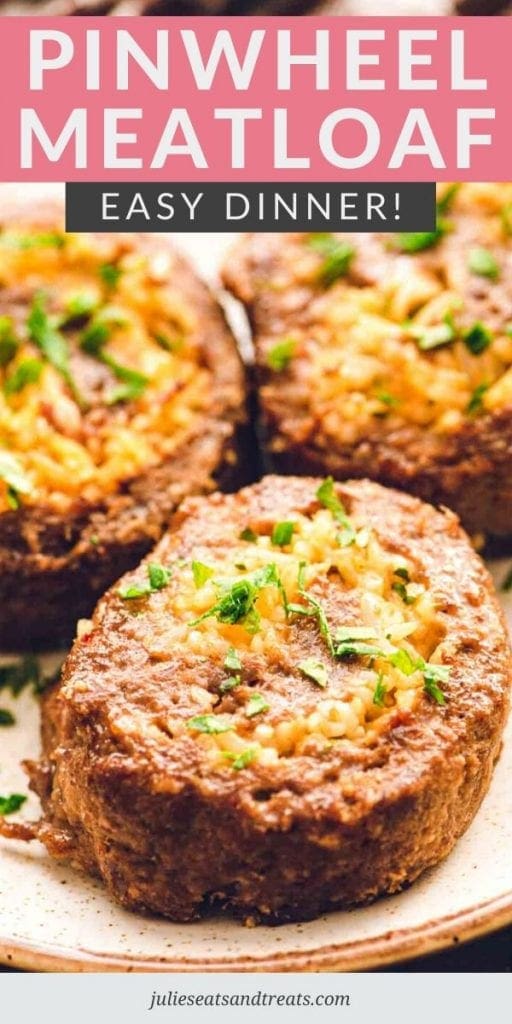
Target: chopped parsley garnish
11	804
482	262
337	256
402	660
209	724
232	661
327	497
249	535
315	670
201	573
51	343
8	340
239	761
17	675
93	341
80	307
26	372
506	218
387	399
444	203
282	533
281	354
313	608
237	603
6	717
475	403
158	578
506	585
110	274
477	338
380	691
13	475
417	241
433	336
432	688
357	649
229	684
400	586
256	705
40	240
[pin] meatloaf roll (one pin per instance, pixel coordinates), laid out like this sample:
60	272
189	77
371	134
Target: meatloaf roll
294	704
121	391
390	356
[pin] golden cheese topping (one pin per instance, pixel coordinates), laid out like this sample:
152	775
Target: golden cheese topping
414	328
350	628
101	373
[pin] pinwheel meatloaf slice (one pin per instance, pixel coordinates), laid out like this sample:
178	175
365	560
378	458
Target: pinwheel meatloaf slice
121	391
390	356
294	704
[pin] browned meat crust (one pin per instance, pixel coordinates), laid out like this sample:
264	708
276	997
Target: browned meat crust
55	566
167	834
469	469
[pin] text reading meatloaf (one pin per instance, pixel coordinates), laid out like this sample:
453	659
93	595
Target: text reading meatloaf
390	356
120	391
293	705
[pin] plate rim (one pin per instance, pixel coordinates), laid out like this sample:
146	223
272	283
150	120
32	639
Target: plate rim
393	947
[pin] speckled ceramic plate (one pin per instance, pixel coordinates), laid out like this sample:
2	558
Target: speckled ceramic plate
52	918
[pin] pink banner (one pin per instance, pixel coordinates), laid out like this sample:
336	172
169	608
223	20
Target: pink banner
255	99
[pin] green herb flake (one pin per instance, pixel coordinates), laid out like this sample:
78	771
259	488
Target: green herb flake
380	691
404	662
435	336
201	573
482	262
327	497
476	403
51	343
256	705
506	218
249	535
506	584
17	675
280	355
444	203
158	575
232	661
38	240
209	724
337	256
357	649
12	473
315	670
240	761
229	684
387	399
11	804
282	533
433	690
110	274
417	241
402	591
26	372
6	717
477	338
158	578
79	307
237	603
8	341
